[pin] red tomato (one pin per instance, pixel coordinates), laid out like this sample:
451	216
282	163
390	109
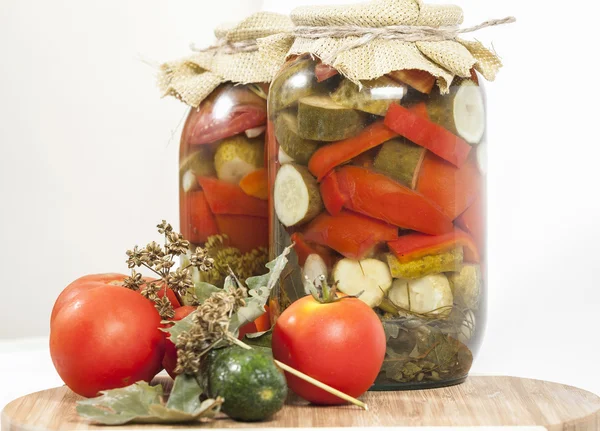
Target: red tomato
106	338
82	284
170	359
341	344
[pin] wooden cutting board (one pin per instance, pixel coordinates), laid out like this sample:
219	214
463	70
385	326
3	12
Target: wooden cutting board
480	401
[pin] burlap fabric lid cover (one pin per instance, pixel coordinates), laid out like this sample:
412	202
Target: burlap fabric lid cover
234	58
444	59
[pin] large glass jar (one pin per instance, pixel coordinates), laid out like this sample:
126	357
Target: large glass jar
381	189
223	184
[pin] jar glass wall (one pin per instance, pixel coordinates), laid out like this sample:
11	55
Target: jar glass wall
381	189
223	186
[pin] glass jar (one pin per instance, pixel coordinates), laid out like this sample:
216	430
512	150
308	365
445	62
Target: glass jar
223	187
381	189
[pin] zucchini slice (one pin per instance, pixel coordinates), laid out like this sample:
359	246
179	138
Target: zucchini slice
321	119
296	195
375	96
462	111
236	157
370	276
286	132
430	295
400	159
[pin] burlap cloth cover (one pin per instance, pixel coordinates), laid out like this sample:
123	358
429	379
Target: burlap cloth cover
443	59
234	58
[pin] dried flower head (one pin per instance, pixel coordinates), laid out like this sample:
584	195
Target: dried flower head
134	282
165	308
164	227
176	245
152	253
134	257
201	260
165	262
180	280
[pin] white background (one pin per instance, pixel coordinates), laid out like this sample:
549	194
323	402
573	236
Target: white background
88	162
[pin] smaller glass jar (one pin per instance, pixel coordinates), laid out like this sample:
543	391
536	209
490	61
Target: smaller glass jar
381	189
223	186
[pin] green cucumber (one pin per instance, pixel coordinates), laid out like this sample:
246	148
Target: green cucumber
253	387
286	132
321	119
236	157
295	81
375	96
296	195
400	159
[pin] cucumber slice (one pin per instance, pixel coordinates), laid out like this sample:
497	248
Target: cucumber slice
321	119
401	160
375	96
466	285
199	163
427	265
429	295
236	157
462	111
295	81
296	196
370	276
286	132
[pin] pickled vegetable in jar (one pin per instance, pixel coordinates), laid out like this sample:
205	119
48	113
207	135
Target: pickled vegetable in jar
223	187
378	180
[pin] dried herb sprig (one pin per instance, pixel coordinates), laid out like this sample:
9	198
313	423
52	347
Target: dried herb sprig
161	260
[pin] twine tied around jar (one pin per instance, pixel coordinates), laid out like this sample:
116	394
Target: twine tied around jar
406	33
223	46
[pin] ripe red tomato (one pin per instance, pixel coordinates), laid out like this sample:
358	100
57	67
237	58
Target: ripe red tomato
106	338
84	283
170	359
341	344
100	280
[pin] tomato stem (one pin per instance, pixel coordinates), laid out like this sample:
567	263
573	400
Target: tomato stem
305	377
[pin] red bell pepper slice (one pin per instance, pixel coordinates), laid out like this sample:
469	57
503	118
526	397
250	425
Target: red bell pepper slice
304	249
382	198
323	72
228	111
196	219
417	245
418	79
453	189
332	197
329	156
245	233
420	109
473	221
350	234
427	134
227	198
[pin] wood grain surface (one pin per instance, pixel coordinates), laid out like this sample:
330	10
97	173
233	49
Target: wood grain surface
480	401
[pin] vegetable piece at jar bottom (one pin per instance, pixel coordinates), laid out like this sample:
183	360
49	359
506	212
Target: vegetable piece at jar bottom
333	199
329	156
430	295
227	198
375	96
467	285
380	197
350	234
286	132
196	218
321	119
370	278
401	160
427	134
461	112
238	156
256	184
418	79
433	264
453	189
296	195
246	233
228	111
346	353
416	245
253	387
